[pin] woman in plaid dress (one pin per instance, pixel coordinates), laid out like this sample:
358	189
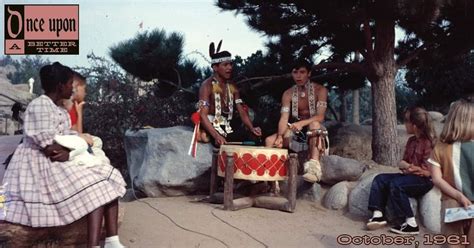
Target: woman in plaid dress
44	188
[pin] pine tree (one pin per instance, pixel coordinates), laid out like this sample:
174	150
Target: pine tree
304	28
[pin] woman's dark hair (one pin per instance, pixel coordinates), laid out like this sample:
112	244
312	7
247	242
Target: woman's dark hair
422	120
53	75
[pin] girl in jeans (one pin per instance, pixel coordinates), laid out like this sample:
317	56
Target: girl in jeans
413	181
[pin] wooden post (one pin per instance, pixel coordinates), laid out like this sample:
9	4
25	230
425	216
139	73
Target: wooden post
213	187
229	182
292	172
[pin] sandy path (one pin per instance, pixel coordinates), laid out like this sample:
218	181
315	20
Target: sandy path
310	226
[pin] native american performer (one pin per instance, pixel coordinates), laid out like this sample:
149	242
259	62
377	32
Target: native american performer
218	101
307	102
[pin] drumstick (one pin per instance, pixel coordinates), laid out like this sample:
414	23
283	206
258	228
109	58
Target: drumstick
250	143
289	126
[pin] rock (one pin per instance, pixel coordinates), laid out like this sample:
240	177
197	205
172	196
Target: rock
336	198
337	169
366	122
430	209
308	191
359	196
14	235
351	141
158	163
436	116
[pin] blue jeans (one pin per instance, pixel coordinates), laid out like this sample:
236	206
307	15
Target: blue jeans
395	189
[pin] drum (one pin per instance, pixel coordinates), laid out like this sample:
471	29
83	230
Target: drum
253	162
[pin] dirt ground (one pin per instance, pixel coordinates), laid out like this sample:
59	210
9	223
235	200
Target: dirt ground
191	223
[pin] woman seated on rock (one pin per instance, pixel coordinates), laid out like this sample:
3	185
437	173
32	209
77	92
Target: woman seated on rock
44	188
414	181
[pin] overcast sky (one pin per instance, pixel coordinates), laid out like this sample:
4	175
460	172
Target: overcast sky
104	23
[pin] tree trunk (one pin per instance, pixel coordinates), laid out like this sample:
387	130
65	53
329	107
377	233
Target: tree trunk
355	107
356	98
343	107
385	149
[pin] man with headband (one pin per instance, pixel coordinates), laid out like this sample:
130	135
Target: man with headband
302	109
218	101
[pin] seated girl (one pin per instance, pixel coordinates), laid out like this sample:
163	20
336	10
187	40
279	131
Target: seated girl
414	181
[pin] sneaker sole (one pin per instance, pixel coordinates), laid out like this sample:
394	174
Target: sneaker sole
376	225
406	233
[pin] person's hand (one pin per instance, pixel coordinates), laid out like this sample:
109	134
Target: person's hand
257	131
462	199
411	169
49	150
278	143
79	106
403	165
88	138
60	155
220	140
422	172
56	152
296	127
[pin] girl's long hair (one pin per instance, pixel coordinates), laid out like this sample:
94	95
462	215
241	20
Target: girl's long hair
422	120
459	124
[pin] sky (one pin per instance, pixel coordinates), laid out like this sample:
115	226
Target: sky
104	23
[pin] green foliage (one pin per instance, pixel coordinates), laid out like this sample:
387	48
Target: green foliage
406	97
150	55
6	60
443	81
157	56
26	68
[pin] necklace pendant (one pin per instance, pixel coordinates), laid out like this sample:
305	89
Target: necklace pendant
303	95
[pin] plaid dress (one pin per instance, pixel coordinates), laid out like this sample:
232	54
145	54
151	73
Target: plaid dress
41	193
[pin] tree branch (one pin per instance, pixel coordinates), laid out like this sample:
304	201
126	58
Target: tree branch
369	53
259	78
363	53
341	66
175	85
179	77
404	61
269	79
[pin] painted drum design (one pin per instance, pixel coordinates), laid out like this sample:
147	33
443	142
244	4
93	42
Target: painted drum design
254	163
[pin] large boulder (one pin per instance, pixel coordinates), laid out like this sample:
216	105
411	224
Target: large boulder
337	169
436	116
430	209
159	165
308	191
337	196
359	196
351	141
72	235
